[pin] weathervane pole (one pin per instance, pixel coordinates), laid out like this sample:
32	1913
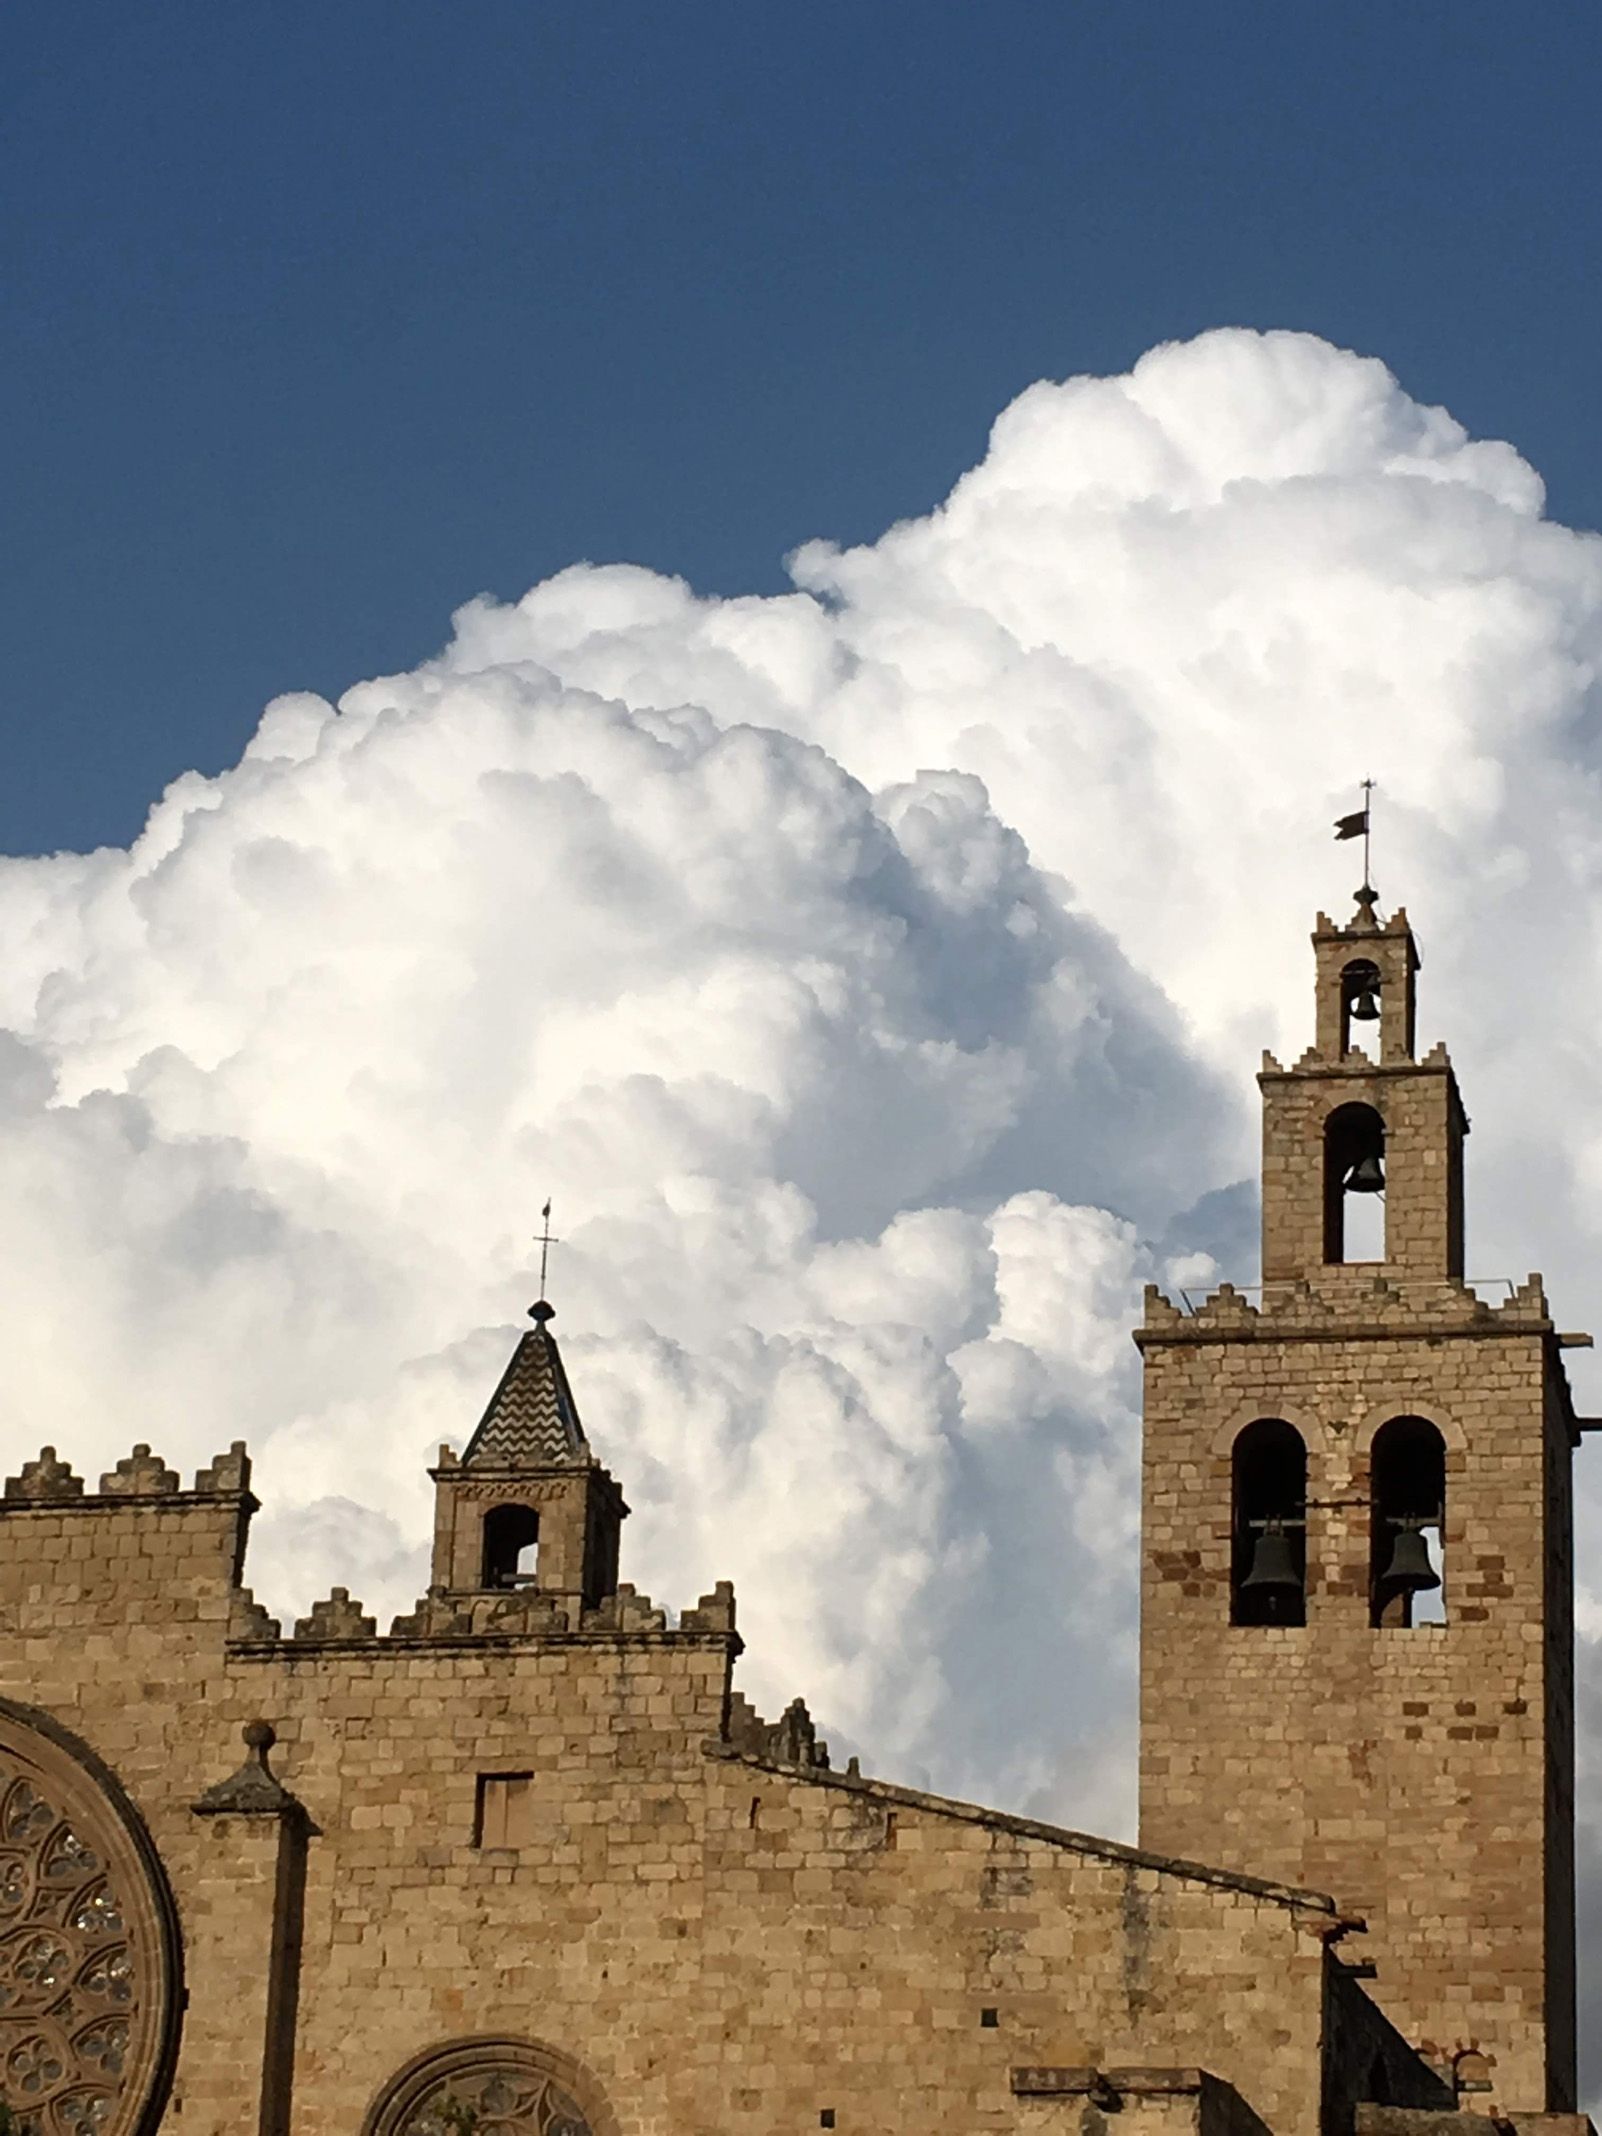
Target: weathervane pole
545	1241
1368	814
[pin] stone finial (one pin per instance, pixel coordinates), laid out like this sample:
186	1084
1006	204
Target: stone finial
248	1620
336	1617
713	1613
226	1472
140	1474
254	1790
46	1478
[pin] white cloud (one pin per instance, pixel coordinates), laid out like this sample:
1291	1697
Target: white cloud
874	975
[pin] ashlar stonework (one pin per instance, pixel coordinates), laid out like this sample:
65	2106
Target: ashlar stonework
528	1863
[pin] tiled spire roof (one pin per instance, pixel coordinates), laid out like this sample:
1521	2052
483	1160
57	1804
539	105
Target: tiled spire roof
532	1419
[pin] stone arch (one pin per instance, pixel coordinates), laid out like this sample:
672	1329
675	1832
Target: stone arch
1404	1404
90	1951
1313	1433
529	2089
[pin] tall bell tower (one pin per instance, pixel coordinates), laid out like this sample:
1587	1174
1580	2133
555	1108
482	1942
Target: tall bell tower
1357	1563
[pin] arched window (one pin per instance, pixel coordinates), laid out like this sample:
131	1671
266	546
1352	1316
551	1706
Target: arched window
511	1547
1407	1470
1354	1184
1360	1003
514	2087
1268	1561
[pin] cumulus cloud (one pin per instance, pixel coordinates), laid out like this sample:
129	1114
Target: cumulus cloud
874	976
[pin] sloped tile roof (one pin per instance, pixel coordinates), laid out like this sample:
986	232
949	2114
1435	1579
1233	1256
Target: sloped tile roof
532	1419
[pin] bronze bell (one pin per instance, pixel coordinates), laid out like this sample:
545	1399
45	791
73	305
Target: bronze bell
1410	1571
1365	1009
1273	1568
1367	1176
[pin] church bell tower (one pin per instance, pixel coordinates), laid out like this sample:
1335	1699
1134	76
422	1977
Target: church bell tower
1357	1561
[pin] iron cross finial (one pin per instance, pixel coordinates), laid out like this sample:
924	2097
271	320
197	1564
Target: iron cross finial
545	1240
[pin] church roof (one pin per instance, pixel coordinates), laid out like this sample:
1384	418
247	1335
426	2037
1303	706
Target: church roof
532	1419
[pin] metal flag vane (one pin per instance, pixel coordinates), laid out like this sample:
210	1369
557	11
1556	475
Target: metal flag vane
1356	825
544	1240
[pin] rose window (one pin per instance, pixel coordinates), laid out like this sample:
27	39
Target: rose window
84	1967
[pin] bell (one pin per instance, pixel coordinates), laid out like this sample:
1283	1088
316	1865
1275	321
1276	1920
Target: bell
1365	1009
1366	1176
1273	1569
1410	1571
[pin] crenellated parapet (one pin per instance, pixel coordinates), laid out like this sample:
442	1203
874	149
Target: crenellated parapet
1351	1302
48	1480
528	1614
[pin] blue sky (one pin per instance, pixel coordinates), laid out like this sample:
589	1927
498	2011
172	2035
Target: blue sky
320	320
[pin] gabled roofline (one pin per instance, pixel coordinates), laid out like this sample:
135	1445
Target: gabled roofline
1106	1850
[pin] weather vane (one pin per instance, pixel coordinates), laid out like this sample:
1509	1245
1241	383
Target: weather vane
545	1240
1356	825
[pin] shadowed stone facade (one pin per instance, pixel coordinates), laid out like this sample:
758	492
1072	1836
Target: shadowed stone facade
528	1863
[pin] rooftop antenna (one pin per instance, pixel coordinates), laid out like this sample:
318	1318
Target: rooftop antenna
545	1240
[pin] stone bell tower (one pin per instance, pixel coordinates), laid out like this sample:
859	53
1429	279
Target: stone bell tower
526	1522
1357	1569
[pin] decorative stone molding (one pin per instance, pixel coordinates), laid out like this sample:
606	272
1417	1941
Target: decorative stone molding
255	1790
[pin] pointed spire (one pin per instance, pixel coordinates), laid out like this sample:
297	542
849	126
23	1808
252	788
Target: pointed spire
532	1419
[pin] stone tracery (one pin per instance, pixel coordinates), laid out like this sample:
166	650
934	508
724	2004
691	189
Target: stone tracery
83	1978
497	2102
488	2087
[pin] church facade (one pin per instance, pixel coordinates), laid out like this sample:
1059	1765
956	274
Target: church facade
527	1864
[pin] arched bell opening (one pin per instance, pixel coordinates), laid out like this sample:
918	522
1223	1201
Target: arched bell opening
1360	1007
511	1547
1354	1185
1406	1523
1268	1560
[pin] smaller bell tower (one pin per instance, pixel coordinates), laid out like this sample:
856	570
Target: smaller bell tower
1348	1122
1357	1551
528	1511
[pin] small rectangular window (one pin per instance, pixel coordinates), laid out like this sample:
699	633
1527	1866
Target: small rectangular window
504	1816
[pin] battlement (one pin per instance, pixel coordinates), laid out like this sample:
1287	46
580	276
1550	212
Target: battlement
141	1475
1350	1302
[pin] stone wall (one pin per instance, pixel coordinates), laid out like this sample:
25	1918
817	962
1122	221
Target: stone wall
1418	1773
555	1834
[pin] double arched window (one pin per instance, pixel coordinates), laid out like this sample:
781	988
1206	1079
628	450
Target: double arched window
1268	1559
